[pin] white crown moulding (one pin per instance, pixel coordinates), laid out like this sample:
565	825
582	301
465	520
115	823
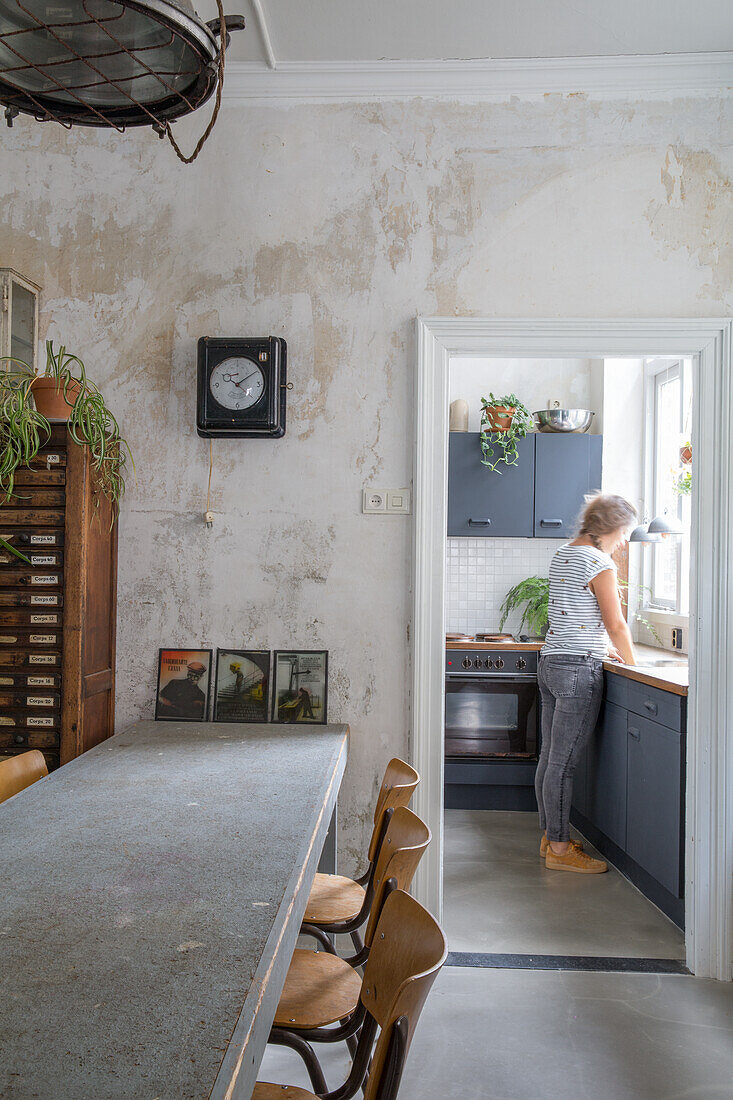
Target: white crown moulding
660	76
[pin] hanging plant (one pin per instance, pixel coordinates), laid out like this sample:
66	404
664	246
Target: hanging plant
683	482
532	597
504	421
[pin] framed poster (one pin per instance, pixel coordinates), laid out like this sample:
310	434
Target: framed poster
184	683
242	685
301	686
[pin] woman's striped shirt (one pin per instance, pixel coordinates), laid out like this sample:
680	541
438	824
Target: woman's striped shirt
575	623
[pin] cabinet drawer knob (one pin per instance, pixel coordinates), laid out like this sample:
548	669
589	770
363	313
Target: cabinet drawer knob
550	523
651	707
479	523
633	732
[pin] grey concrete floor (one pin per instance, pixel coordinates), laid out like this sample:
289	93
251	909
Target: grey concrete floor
548	1035
498	896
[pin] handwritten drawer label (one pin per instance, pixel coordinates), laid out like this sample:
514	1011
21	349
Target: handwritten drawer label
42	659
44	578
8	639
5	721
44	601
52	460
40	681
42	540
39	701
38	620
42	639
39	721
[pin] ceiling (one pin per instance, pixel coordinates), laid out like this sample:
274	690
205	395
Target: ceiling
413	30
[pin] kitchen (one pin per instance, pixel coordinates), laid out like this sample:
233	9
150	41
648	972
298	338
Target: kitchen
620	426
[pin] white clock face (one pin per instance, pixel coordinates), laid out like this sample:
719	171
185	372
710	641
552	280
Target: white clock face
237	383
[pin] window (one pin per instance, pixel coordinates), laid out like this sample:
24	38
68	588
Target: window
668	427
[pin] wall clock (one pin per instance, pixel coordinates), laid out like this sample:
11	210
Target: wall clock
242	385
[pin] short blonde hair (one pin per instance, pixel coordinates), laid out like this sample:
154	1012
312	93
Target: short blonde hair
603	514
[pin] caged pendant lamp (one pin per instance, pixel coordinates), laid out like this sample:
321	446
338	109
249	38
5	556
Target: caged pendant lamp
110	63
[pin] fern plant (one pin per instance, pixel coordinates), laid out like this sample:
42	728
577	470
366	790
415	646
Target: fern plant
532	597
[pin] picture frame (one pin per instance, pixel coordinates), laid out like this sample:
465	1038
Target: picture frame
242	685
300	686
180	696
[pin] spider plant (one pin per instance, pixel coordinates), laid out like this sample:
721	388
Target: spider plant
531	596
504	421
23	431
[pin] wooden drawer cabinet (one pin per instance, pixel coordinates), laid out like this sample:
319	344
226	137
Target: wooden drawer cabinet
57	615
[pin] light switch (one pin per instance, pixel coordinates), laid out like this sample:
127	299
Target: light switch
398	501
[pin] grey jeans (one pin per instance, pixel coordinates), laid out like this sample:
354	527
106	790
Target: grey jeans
570	688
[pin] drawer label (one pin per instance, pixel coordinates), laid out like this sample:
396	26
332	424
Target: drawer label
42	540
52	460
38	721
42	639
6	681
5	721
43	559
40	681
44	578
8	639
44	601
38	620
42	659
39	701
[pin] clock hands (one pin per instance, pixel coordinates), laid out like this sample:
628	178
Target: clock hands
254	372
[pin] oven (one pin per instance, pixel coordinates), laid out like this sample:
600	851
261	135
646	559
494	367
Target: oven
492	729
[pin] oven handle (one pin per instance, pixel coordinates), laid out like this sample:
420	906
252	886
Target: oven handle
503	677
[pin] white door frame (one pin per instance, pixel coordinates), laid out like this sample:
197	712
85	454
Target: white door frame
709	818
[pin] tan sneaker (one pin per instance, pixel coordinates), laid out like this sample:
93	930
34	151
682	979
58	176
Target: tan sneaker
544	845
575	859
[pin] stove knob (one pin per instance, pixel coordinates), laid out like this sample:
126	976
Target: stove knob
489	663
466	662
521	663
499	662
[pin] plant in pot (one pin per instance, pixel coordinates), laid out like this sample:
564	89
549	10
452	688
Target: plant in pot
504	421
25	425
531	596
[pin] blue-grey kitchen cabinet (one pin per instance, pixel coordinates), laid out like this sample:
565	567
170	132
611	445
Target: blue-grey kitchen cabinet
654	803
567	467
484	502
607	773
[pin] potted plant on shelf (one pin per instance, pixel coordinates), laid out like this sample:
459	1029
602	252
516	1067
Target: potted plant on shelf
25	428
531	596
504	421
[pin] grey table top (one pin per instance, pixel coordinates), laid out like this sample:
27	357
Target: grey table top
151	895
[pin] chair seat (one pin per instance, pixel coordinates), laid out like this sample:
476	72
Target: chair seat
333	898
319	989
265	1090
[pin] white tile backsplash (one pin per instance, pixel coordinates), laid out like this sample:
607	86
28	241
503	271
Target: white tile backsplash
480	572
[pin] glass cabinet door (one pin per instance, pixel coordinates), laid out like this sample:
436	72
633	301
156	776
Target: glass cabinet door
18	318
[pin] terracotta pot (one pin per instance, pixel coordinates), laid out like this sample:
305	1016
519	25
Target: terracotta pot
499	417
686	454
49	397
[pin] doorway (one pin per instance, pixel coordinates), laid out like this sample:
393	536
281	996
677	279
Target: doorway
709	812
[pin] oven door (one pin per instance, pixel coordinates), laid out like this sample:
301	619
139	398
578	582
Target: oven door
491	718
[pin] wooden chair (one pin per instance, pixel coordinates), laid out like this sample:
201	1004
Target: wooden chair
321	988
341	905
409	949
19	772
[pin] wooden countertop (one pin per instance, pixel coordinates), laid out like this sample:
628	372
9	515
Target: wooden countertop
675	679
152	893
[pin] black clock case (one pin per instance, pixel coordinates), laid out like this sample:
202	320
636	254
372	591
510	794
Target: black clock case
266	419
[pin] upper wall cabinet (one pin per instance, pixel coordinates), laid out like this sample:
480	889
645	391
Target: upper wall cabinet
539	497
567	467
482	502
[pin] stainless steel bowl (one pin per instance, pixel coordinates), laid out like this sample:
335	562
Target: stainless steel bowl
563	420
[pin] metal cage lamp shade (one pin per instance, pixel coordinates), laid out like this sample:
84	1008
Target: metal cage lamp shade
107	63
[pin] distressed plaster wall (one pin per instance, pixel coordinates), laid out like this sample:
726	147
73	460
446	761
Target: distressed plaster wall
334	225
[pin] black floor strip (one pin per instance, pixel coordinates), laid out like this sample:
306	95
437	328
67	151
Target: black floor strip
605	964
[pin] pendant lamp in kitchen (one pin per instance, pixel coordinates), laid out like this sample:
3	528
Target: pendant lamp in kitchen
110	63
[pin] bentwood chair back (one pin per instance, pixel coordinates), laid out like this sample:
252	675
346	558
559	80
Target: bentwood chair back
398	787
404	843
406	956
19	772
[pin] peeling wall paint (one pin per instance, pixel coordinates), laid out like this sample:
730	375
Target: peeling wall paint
334	226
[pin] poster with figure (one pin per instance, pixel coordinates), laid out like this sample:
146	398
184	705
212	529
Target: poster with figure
242	685
301	686
184	682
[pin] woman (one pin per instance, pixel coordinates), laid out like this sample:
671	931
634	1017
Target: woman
586	626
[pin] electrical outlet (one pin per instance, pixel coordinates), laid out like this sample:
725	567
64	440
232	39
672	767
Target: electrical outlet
374	500
398	501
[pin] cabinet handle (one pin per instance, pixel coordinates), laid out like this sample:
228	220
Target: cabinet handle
479	523
550	523
651	707
633	732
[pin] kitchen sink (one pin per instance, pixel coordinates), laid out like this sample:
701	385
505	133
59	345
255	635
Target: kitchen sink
661	662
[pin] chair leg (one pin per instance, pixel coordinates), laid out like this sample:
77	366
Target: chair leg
318	934
281	1037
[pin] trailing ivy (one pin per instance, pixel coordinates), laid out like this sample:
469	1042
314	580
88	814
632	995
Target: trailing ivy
501	446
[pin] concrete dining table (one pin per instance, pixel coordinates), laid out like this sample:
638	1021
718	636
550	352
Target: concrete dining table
152	892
